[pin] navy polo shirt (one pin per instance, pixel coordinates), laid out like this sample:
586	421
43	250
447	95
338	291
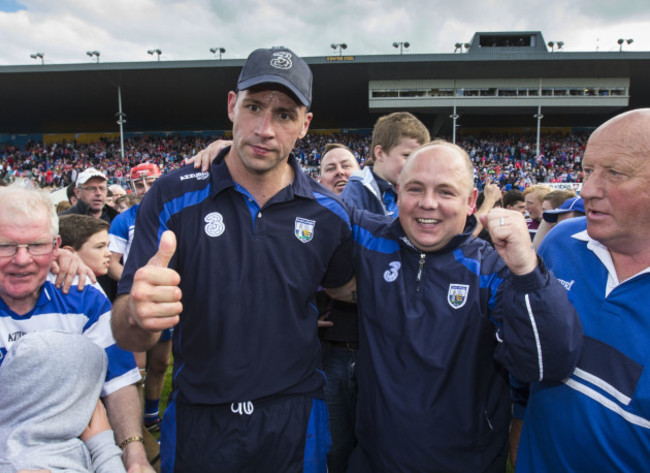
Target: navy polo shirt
249	276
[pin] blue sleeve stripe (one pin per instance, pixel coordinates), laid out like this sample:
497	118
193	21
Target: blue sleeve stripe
332	206
366	239
485	280
471	264
178	204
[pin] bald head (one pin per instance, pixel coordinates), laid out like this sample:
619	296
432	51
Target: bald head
435	195
445	146
629	130
616	188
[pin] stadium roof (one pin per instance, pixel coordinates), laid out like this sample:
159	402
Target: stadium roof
191	95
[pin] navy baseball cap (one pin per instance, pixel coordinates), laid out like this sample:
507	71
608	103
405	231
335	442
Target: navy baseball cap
574	204
277	66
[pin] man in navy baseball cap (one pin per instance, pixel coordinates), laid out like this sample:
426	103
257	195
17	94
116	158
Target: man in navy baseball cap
248	383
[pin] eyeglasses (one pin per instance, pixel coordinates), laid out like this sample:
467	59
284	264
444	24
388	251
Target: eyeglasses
35	249
95	189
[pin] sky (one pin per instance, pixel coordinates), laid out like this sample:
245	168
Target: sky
124	30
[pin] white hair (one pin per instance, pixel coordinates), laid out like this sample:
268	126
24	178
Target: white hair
25	199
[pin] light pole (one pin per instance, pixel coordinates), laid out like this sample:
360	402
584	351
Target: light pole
454	116
459	47
40	56
340	46
621	41
121	119
155	51
217	50
401	44
93	53
539	117
552	44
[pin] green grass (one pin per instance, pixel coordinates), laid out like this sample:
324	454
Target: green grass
167	388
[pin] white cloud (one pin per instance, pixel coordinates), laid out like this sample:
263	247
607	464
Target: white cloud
123	30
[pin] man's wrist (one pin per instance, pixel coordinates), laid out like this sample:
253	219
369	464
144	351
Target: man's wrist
129	440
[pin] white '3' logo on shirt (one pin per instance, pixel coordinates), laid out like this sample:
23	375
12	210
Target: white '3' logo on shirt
215	226
391	274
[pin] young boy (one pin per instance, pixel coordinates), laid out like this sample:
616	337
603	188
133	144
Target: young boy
88	238
394	137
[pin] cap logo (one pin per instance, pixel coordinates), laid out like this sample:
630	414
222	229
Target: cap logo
281	60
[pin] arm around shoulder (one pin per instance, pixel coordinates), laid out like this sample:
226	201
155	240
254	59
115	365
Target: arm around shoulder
345	293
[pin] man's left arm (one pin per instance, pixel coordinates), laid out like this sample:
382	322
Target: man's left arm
345	293
124	413
540	331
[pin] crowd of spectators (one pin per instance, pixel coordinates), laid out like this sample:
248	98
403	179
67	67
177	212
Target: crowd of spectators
509	160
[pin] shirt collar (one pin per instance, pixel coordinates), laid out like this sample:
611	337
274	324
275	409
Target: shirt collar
605	257
221	179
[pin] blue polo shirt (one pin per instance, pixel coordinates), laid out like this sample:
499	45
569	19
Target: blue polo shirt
598	419
249	276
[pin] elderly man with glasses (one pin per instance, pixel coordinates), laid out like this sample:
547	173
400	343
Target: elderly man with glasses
29	302
91	190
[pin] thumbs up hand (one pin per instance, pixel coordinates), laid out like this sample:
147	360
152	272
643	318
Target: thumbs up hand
155	294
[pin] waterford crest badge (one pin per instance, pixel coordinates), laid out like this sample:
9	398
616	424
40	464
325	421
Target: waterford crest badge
457	295
304	229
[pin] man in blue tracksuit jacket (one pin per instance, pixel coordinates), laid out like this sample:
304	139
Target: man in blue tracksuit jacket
443	318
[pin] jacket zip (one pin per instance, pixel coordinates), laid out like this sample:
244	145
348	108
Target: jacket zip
418	279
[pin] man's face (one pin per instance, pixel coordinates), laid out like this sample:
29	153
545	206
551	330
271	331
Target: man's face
93	193
519	206
142	186
266	126
533	205
336	168
23	274
389	164
95	254
434	197
616	192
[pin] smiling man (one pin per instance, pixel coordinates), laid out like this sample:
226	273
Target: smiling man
336	166
443	318
251	241
29	242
